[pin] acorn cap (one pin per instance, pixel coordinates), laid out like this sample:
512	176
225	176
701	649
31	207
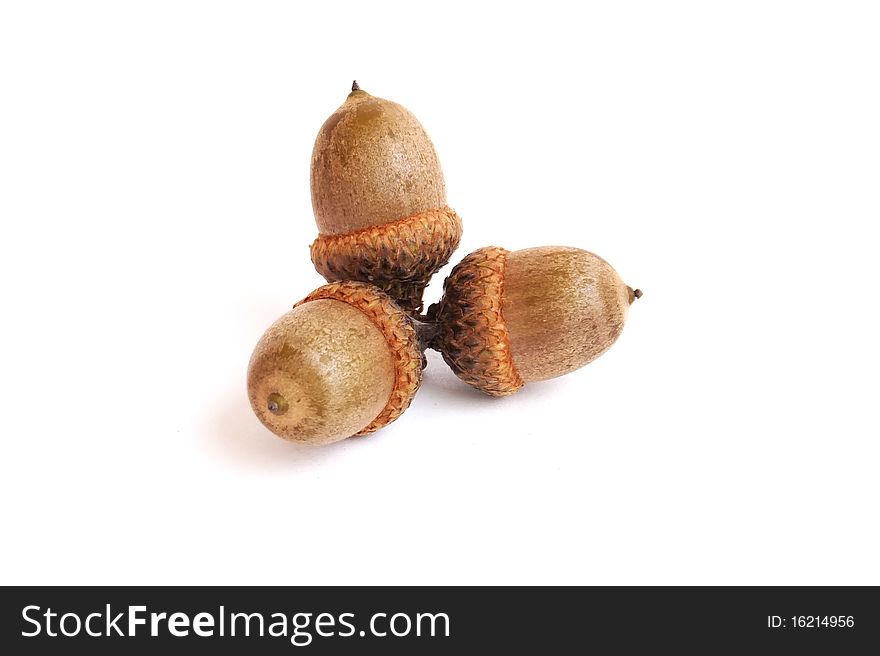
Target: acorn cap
510	318
344	361
473	337
379	200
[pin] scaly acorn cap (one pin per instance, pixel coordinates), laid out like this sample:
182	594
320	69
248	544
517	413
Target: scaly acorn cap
379	200
346	360
510	318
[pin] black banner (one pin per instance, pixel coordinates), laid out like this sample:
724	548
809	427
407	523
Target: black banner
113	620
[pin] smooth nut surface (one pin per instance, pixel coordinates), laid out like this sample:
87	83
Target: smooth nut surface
372	163
320	373
563	307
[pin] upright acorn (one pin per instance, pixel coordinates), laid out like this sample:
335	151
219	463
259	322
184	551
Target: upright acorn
510	318
379	200
346	360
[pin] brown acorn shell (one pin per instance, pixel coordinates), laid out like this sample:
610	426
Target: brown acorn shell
320	373
563	308
344	361
372	163
400	334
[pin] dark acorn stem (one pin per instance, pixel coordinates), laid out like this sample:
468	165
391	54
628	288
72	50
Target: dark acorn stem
355	86
426	330
406	293
637	293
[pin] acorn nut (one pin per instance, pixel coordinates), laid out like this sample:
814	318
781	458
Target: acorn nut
346	360
379	200
510	318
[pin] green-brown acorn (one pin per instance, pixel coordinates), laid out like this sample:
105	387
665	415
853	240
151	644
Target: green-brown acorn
346	360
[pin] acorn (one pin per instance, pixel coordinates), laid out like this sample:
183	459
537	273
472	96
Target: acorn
346	360
511	318
379	200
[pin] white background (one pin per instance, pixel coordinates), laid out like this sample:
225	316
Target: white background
154	198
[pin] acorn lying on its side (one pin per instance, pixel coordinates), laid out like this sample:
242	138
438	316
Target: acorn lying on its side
510	318
346	360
